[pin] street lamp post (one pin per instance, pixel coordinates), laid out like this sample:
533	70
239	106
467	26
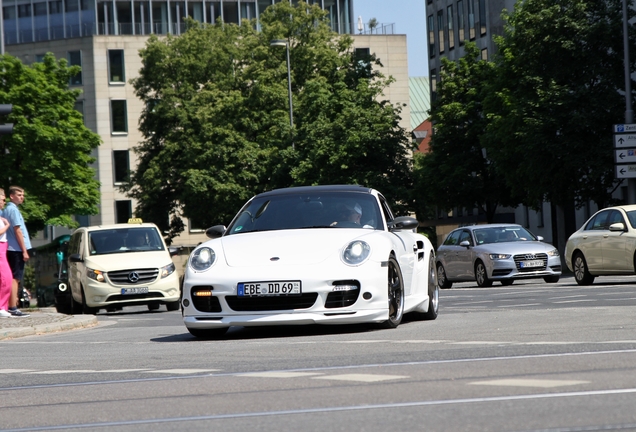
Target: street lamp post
285	43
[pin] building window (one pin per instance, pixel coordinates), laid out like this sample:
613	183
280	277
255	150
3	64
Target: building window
431	36
119	122
39	58
451	30
461	24
484	54
82	220
121	166
482	17
116	66
471	19
433	84
440	30
362	58
123	211
75	59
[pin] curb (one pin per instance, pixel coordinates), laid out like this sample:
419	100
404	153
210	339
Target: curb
64	323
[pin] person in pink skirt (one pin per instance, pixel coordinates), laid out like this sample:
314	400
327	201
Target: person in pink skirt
5	270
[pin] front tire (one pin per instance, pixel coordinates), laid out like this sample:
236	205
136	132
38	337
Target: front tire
581	273
481	275
442	280
86	310
507	282
395	295
173	306
551	279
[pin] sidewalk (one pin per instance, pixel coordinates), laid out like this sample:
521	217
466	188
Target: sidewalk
41	321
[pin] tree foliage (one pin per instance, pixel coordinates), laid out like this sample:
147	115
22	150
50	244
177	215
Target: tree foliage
49	152
557	93
457	171
216	128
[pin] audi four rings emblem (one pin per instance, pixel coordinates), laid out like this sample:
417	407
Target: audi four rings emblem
530	256
133	277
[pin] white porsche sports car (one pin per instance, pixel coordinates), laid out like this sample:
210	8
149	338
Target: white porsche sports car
310	255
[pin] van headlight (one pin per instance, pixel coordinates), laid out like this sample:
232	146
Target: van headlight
356	253
202	259
97	275
166	271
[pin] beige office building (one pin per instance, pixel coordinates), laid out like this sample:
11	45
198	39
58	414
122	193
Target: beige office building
104	38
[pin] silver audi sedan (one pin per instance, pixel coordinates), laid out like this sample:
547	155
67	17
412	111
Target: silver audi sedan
495	252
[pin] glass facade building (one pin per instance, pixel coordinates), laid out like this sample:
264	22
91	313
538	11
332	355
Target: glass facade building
27	21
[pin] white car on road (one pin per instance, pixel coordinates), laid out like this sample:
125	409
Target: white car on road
305	255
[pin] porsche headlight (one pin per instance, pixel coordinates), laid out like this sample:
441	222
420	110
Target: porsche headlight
167	270
499	256
356	253
202	259
95	274
554	252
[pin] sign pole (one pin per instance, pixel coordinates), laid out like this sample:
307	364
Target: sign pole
629	113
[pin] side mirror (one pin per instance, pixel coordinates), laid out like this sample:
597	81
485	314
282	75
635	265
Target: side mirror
539	238
75	258
465	244
403	223
618	226
216	231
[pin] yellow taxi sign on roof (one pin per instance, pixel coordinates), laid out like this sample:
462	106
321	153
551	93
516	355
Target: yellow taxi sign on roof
135	221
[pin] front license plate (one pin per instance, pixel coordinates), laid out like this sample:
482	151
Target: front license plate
535	263
273	288
138	290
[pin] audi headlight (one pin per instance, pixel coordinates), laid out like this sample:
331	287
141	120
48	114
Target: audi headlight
499	256
95	274
167	270
202	259
554	252
356	253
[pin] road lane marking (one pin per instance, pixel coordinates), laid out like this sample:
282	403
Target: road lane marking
180	371
520	382
325	410
10	371
280	374
361	377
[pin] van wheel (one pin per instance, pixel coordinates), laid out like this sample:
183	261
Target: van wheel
85	308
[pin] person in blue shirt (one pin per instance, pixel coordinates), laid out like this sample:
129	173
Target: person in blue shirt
19	245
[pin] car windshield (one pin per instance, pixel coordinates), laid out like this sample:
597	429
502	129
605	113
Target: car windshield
308	210
503	235
123	240
631	215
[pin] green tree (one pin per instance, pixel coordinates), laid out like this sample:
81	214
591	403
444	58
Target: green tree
216	128
457	171
560	75
49	152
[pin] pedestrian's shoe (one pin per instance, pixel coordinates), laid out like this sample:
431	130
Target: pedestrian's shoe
17	313
4	314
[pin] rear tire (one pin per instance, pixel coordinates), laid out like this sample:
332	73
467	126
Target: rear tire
208	333
433	291
395	295
551	279
507	282
153	306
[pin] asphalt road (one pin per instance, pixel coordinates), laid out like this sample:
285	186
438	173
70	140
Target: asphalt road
528	357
